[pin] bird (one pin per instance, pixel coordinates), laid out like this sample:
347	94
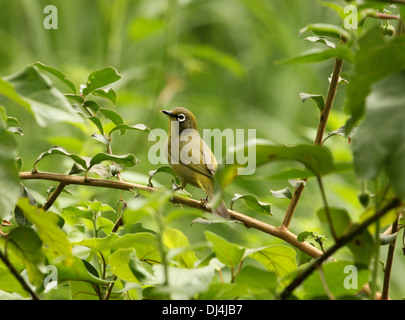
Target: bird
196	164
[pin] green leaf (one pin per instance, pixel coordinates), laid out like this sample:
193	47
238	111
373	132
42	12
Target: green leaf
101	246
253	203
100	138
228	253
50	233
9	180
57	73
60	151
385	57
100	78
342	279
127	160
106	94
378	141
166	169
122	127
111	115
39	96
317	55
98	124
283	193
327	30
319	100
278	258
126	265
340	219
340	132
174	239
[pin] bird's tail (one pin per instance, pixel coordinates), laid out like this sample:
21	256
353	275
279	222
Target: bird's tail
219	210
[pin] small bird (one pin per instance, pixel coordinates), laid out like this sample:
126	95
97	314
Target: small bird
196	164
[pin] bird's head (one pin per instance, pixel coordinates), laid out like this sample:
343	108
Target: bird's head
183	116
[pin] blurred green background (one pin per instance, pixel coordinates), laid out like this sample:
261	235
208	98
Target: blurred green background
216	57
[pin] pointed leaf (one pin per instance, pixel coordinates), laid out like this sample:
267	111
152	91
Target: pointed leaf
253	203
100	78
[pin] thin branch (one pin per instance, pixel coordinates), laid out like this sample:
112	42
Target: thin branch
388	264
319	136
54	196
279	232
340	243
19	278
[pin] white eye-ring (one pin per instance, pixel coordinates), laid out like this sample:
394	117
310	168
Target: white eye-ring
181	117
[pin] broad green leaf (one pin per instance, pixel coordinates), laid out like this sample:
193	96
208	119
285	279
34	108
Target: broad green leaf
342	279
257	278
9	180
322	40
319	100
102	246
228	253
77	271
144	243
82	290
78	212
183	283
340	219
60	151
8	90
111	115
9	283
166	169
57	73
27	246
278	258
127	160
126	265
100	78
106	94
98	124
253	203
55	240
317	55
173	239
38	95
228	291
97	206
385	57
122	127
378	143
327	30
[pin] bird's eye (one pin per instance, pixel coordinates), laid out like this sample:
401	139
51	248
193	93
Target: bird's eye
181	117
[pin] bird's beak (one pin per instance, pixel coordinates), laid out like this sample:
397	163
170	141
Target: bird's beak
168	113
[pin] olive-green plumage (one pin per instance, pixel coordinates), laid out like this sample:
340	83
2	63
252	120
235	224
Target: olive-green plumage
197	164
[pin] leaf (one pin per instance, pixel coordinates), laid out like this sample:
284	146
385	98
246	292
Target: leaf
327	30
228	253
9	180
100	78
340	219
60	151
38	95
283	193
100	138
378	141
340	132
342	279
106	94
57	73
174	238
277	258
50	233
127	160
253	203
319	100
166	169
122	127
386	57
322	40
317	55
111	115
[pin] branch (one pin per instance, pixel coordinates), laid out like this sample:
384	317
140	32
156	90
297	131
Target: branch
20	279
338	244
279	232
319	136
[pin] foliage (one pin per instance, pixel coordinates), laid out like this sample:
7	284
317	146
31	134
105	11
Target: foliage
121	242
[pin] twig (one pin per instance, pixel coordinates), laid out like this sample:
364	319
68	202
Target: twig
279	232
340	243
54	196
319	136
388	264
19	278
